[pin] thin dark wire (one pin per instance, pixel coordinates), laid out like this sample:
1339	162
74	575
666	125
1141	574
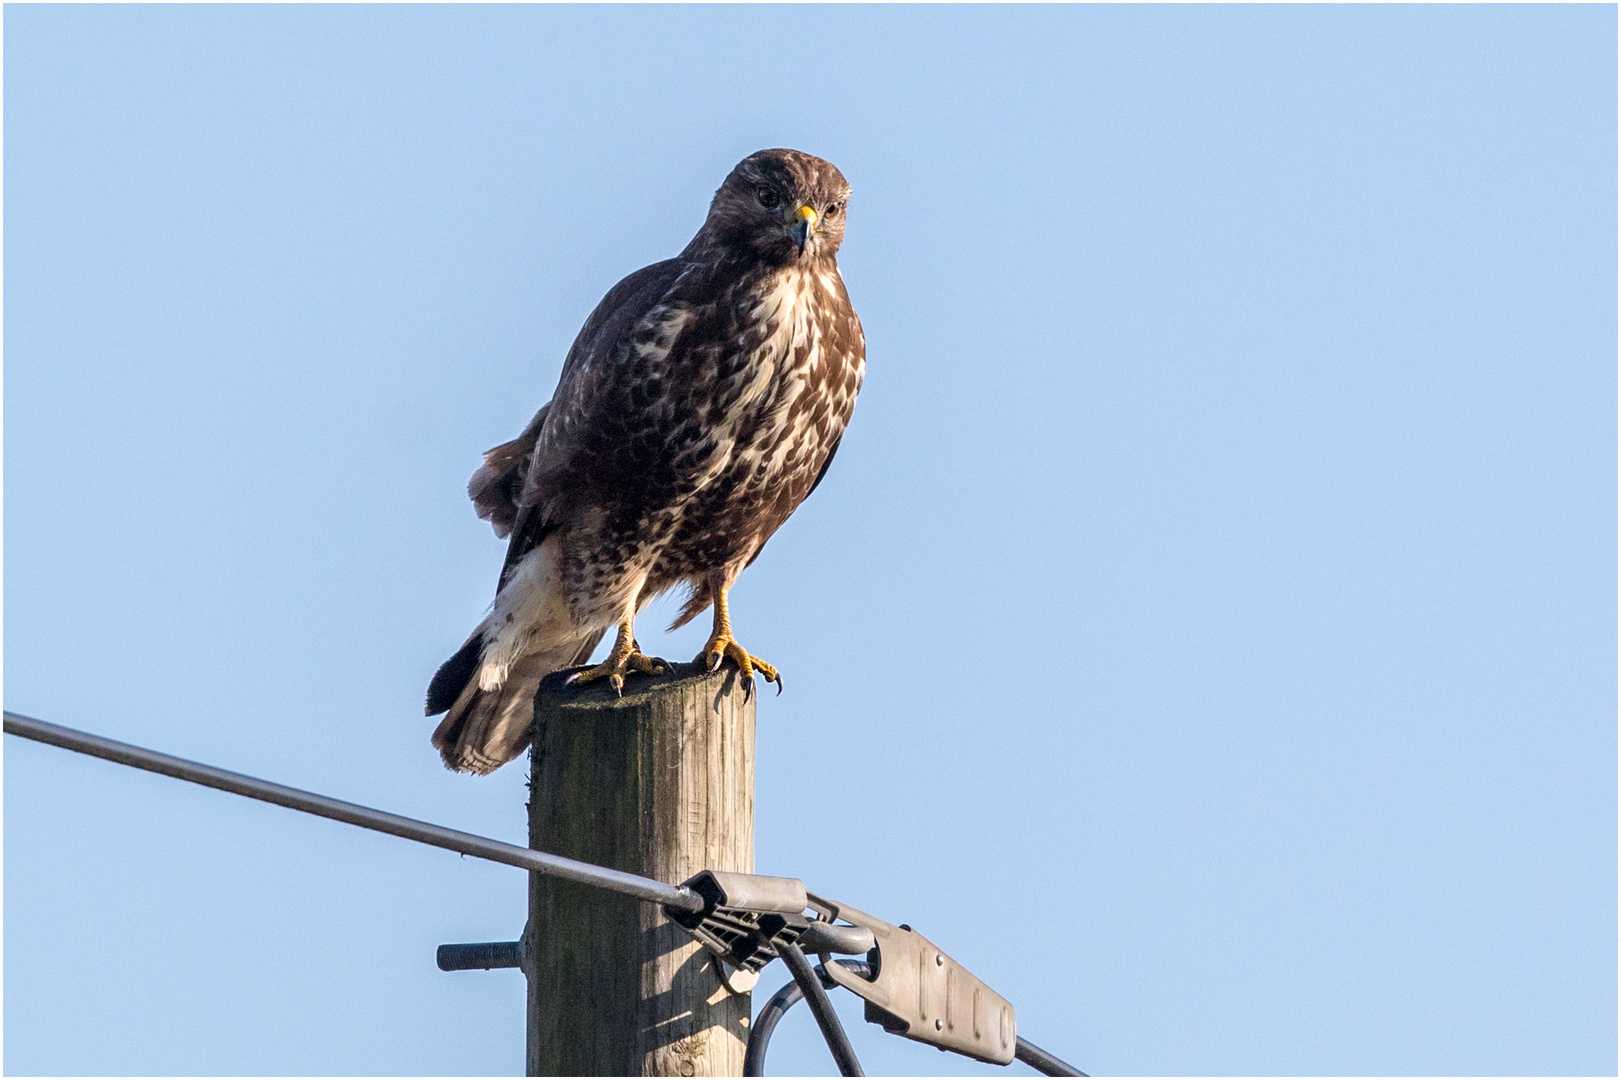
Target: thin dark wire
766	1023
774	1010
822	1009
1041	1061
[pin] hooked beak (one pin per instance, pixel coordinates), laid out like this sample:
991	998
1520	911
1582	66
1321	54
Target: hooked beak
804	225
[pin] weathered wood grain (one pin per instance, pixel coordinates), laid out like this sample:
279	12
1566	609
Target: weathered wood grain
659	782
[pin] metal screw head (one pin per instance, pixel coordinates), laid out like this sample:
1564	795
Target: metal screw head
939	961
938	1024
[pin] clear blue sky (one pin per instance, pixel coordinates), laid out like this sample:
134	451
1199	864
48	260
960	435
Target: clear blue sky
1207	632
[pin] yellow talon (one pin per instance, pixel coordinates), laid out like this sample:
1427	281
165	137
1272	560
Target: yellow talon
721	648
626	656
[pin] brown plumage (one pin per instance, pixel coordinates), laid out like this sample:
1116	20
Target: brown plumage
700	404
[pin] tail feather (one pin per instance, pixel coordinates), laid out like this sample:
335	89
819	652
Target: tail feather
497	485
487	690
699	597
454	675
485	729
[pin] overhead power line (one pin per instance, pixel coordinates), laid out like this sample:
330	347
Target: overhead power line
480	847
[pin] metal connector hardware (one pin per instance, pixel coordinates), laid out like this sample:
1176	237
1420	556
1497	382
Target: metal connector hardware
824	937
745	917
919	992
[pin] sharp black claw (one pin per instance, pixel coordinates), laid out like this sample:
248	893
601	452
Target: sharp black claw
778	681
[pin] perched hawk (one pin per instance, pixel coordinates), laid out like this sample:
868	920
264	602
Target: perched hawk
701	403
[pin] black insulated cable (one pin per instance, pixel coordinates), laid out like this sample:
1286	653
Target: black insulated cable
783	1000
1041	1061
822	1009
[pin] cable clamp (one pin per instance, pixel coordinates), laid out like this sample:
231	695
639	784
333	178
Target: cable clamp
917	991
746	918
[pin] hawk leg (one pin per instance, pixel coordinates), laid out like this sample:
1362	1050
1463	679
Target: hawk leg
625	656
721	647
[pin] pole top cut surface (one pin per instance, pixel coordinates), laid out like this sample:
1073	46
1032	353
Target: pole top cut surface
556	691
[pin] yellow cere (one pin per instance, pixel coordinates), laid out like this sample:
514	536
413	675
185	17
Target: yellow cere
807	213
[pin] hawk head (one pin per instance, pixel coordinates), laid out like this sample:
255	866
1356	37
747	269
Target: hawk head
782	206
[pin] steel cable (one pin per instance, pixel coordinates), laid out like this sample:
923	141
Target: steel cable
352	813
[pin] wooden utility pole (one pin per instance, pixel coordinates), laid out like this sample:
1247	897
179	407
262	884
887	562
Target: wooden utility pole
659	782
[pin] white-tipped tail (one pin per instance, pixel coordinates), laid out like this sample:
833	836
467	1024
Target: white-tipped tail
489	686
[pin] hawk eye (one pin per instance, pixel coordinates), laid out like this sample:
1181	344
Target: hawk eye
768	198
833	210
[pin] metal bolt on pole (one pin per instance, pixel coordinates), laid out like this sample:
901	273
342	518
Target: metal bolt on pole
480	956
